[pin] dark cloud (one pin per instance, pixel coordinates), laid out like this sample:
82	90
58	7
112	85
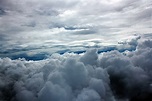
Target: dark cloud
148	35
2	12
47	12
38	56
84	32
74	28
109	76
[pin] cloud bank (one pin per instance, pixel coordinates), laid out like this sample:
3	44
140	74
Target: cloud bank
34	29
108	76
48	25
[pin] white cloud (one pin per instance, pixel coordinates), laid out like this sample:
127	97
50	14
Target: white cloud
34	21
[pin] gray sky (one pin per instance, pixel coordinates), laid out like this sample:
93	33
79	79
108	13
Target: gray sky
30	24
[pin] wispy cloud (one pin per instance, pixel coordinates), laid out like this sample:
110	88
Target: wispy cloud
33	22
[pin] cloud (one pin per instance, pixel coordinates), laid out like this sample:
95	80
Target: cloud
24	23
37	52
108	76
90	57
35	28
123	74
53	92
2	12
88	95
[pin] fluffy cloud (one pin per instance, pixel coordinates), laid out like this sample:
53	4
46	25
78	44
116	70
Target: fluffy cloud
108	76
34	29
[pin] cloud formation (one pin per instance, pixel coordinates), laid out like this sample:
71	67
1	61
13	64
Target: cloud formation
108	76
35	23
116	70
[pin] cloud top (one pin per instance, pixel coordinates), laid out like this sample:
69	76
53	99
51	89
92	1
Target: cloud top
108	76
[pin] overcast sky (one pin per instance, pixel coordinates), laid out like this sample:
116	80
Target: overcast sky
52	24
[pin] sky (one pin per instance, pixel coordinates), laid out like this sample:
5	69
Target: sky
75	50
47	26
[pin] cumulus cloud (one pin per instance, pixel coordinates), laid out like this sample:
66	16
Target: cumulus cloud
34	29
108	76
28	23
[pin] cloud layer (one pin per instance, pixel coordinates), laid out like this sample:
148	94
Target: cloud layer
45	24
108	76
118	69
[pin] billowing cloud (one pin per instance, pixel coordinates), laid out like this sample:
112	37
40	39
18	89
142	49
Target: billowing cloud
108	76
62	35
